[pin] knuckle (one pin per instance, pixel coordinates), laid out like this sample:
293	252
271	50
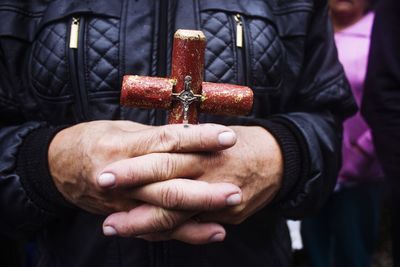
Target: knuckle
172	197
105	146
169	140
164	220
130	174
166	170
201	140
170	166
209	203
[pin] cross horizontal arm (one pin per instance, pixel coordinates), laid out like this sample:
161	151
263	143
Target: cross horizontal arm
216	98
226	99
147	92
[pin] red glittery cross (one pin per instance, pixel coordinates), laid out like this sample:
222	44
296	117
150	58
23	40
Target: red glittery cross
185	94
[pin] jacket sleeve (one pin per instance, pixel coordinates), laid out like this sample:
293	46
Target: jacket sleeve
322	101
26	205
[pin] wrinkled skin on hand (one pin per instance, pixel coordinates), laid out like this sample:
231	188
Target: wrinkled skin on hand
77	155
255	164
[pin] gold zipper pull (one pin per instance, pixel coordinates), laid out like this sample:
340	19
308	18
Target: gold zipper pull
74	36
239	30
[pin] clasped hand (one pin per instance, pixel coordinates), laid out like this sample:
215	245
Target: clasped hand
168	182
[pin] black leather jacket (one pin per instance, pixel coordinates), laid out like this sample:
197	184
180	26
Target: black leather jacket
288	59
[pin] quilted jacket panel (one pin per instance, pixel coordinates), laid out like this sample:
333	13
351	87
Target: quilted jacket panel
267	53
51	71
102	54
49	65
220	65
260	60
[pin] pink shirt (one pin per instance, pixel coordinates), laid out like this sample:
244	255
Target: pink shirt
353	48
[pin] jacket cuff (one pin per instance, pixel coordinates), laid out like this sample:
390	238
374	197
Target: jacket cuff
292	157
33	170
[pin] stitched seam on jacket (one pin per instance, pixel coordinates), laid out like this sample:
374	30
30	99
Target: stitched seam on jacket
327	84
19	10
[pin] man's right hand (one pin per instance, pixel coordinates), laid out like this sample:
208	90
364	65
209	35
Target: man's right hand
77	156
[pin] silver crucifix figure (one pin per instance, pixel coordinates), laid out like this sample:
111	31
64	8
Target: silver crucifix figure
187	97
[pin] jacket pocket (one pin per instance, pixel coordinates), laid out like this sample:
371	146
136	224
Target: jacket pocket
75	54
244	46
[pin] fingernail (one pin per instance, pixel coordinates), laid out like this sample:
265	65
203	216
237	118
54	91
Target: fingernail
217	237
109	231
106	179
227	138
234	199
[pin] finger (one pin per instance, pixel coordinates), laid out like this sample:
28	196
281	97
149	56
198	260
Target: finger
189	195
150	168
179	138
145	219
191	232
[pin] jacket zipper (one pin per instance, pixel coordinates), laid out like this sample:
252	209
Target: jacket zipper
241	49
76	68
158	249
74	35
162	52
